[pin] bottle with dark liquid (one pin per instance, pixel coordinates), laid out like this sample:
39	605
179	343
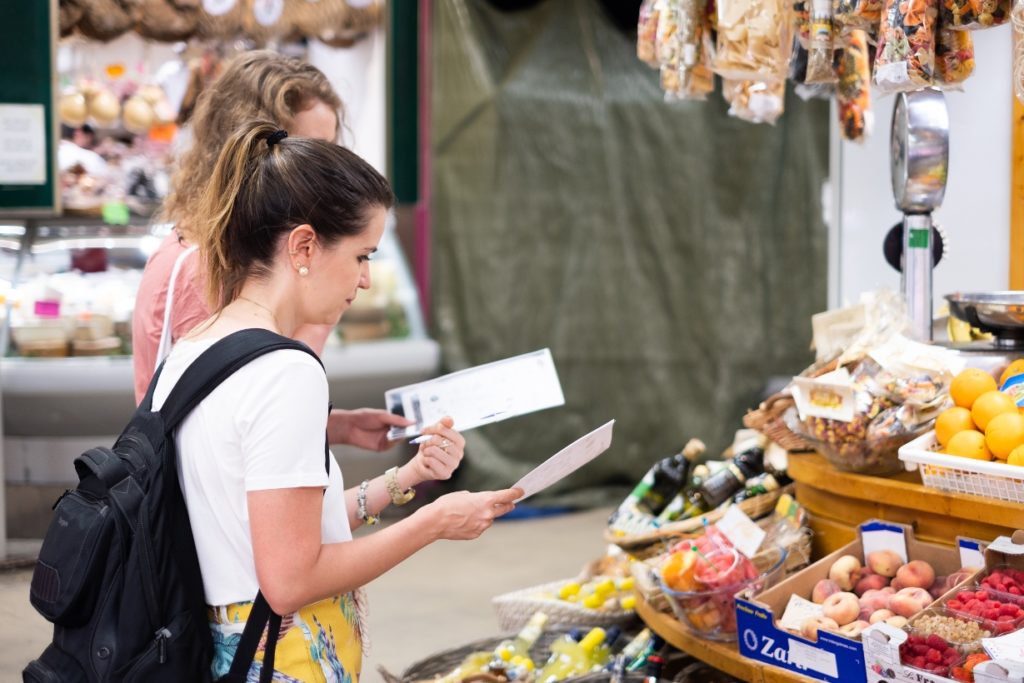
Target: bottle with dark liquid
724	484
661	483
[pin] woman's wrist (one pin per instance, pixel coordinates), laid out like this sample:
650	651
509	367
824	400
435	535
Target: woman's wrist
408	478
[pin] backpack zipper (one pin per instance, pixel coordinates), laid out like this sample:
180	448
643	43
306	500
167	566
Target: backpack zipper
162	636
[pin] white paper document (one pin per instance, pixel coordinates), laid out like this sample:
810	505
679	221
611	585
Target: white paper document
22	144
566	461
478	396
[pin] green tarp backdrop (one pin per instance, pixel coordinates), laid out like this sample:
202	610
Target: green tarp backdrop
669	256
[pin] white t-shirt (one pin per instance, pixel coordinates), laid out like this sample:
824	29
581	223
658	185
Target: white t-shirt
262	428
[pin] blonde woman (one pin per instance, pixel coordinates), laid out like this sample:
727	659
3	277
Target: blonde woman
290	225
255	85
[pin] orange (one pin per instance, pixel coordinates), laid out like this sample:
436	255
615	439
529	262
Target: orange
1016	457
990	404
950	422
969	385
969	444
1004	433
1014	368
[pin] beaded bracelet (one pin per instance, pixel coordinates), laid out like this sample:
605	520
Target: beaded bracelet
361	511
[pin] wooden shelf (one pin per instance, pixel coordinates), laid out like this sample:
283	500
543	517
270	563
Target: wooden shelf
839	501
722	656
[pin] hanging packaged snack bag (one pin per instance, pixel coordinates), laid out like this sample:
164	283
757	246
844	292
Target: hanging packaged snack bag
754	40
755	101
852	15
819	53
906	45
954	57
853	91
974	14
647	33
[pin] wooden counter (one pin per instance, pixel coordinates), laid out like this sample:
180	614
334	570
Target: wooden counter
722	656
839	501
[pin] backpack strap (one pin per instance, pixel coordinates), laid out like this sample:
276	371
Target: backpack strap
218	363
213	366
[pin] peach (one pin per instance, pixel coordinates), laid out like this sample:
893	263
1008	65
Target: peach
938	588
916	574
884	562
897	621
842	608
845	572
869	583
880	615
823	589
853	629
909	601
809	629
957	577
875	600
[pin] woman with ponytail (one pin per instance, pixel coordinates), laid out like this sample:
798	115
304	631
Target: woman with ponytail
287	226
256	85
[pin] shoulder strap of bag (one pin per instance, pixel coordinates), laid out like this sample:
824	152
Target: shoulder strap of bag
205	374
164	347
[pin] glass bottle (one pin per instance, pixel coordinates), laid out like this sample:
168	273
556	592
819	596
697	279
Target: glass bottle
724	484
654	666
571	658
663	480
520	646
473	663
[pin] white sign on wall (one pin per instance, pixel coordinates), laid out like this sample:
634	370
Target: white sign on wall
22	144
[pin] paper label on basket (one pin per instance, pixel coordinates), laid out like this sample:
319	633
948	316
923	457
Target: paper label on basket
1010	646
744	534
810	657
828	396
798	611
972	555
479	395
877	536
566	461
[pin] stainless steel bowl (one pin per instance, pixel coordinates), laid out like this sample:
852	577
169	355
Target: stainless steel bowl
919	150
1001	313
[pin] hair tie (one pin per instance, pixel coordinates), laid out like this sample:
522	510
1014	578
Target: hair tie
276	137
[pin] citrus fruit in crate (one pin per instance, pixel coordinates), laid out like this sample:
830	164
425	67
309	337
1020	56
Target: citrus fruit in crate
1005	432
1016	457
969	444
990	404
952	421
1014	368
969	385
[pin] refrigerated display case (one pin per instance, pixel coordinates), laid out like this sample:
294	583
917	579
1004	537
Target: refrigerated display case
68	288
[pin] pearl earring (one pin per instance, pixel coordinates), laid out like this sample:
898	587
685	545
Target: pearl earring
303	271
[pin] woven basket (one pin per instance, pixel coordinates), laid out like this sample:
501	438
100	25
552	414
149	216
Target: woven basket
515	609
646	545
767	418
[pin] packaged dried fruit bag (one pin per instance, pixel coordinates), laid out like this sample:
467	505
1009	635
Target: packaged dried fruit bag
647	33
755	101
667	33
974	14
853	92
954	56
802	21
754	40
906	45
857	14
819	52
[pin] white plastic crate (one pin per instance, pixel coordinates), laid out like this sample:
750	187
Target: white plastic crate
962	475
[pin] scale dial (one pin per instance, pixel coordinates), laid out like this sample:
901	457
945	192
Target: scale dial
919	150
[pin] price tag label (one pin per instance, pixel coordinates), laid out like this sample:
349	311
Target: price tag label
799	610
741	531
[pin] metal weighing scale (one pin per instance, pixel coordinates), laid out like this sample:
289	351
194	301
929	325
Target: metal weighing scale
919	159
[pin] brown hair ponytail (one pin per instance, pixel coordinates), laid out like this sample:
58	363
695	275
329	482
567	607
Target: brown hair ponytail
259	192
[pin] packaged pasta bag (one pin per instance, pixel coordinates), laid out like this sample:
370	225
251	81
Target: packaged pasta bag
802	21
906	45
754	40
954	57
974	14
647	33
853	91
819	53
666	36
755	101
695	78
858	14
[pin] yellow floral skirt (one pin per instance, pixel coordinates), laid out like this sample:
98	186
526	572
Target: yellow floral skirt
318	644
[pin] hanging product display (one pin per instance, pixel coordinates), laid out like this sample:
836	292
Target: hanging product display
647	32
954	56
754	40
167	20
853	91
104	19
755	101
220	19
820	49
906	45
974	14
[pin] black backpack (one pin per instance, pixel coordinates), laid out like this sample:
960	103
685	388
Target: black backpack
118	574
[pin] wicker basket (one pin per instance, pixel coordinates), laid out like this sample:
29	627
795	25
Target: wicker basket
647	545
515	609
768	419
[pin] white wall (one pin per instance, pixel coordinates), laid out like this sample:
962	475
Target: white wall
359	74
975	214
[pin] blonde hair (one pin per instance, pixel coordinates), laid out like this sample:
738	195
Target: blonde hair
256	85
264	186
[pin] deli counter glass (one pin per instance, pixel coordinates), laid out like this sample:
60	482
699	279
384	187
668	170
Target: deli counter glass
68	288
